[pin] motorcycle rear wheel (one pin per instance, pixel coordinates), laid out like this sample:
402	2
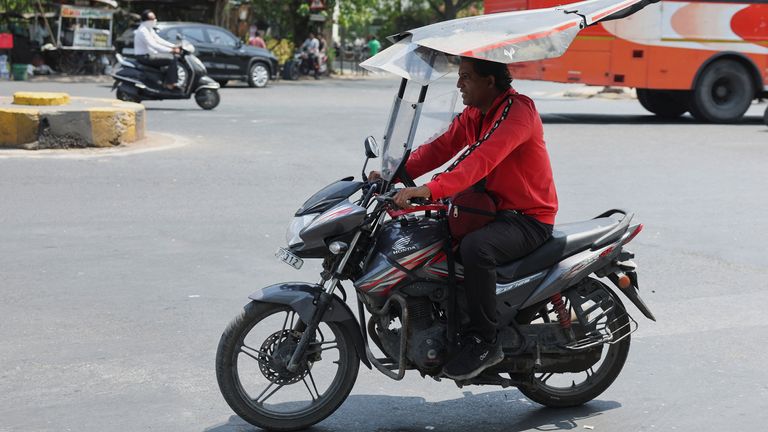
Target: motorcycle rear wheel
564	391
250	368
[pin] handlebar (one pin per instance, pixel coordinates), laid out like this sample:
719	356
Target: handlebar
389	198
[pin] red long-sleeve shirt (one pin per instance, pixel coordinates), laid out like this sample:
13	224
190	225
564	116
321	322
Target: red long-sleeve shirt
513	160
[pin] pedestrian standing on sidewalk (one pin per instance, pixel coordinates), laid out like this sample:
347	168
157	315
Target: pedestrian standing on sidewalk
256	40
374	46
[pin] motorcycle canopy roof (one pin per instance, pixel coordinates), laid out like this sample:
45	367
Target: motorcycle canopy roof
508	37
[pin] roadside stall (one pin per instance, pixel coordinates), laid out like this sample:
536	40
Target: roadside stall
84	37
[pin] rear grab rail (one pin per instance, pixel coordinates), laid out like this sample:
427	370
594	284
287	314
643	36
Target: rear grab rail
615	233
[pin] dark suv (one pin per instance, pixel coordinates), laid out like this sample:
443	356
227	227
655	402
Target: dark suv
223	54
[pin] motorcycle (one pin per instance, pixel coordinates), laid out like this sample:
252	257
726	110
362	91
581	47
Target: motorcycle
302	64
292	356
135	82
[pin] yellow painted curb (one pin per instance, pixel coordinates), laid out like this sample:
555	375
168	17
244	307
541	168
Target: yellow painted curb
18	126
40	98
84	122
112	126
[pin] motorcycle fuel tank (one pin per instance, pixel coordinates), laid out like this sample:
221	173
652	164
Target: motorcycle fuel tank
402	247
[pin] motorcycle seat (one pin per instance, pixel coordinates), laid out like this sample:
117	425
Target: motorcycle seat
141	66
567	240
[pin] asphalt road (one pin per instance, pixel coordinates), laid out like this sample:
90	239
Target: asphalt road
119	273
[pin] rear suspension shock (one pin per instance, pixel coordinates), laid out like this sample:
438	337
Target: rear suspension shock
562	315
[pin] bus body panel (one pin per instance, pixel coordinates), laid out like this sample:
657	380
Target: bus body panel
662	47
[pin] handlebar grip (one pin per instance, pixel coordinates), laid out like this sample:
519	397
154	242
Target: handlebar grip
419	201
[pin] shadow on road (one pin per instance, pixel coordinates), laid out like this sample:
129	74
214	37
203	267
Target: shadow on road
499	411
172	109
568	118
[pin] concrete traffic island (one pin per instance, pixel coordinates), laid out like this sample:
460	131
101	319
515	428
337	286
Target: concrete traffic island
33	120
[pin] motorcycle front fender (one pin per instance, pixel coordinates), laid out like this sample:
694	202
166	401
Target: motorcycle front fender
207	82
300	296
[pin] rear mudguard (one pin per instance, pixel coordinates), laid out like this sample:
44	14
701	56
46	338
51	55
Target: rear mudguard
300	296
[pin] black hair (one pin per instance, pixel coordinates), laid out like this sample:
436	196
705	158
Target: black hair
486	68
145	14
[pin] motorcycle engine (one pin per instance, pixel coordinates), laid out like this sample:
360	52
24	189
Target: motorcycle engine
427	346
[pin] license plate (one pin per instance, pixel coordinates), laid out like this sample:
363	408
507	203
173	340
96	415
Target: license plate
289	258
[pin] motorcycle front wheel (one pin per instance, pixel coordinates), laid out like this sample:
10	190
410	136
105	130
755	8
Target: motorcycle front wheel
207	99
251	368
560	390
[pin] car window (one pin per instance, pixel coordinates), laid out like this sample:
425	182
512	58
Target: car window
220	37
170	35
193	34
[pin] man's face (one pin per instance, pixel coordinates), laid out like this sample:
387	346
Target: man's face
476	91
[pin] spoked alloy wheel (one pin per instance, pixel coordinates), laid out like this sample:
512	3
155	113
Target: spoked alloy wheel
573	389
258	75
181	73
251	367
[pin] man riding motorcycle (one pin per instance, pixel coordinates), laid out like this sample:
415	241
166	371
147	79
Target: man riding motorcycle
311	47
514	164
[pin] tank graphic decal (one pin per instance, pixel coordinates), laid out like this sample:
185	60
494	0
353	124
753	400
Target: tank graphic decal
412	261
403	245
383	281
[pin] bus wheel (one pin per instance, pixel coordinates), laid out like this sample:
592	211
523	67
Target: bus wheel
723	92
664	103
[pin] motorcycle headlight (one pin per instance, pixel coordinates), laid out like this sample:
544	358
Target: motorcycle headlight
294	229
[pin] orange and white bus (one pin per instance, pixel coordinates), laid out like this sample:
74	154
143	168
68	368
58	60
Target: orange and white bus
704	56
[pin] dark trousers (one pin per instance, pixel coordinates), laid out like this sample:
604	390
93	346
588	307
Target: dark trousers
160	60
511	236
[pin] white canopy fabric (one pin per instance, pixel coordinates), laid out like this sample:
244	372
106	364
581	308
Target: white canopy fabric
508	37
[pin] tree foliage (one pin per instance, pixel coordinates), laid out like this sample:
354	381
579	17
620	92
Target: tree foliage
290	18
18	6
396	16
450	9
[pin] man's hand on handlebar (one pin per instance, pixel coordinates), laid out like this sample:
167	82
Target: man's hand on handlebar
403	197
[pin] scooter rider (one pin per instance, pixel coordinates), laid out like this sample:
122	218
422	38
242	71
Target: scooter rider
311	47
515	164
152	50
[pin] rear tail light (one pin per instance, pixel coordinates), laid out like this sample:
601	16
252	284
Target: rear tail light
634	233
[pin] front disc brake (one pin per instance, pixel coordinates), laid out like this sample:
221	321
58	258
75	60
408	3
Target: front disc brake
278	350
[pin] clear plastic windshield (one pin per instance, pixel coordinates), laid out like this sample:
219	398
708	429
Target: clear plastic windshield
413	124
410	61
